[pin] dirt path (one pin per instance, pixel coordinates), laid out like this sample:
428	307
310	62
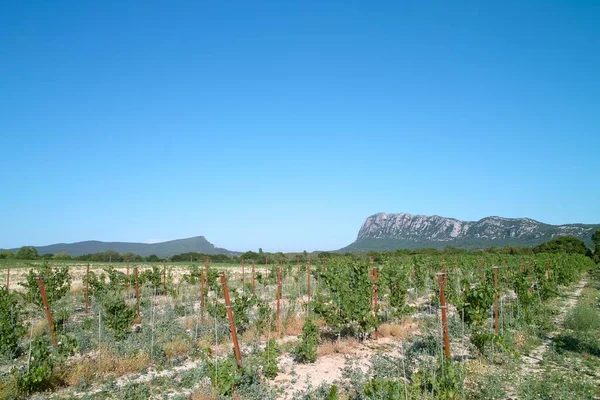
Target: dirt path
531	362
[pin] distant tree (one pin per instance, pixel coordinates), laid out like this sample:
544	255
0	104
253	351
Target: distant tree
129	257
562	244
112	256
596	240
61	256
4	254
250	256
153	258
27	253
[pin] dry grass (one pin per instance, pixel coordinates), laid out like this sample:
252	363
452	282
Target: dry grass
344	346
397	331
77	289
293	325
177	348
203	394
102	365
249	334
40	327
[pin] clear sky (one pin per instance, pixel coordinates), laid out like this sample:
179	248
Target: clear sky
284	124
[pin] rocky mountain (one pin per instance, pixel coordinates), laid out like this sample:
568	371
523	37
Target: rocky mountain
405	231
197	244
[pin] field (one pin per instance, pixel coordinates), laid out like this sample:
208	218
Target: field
341	327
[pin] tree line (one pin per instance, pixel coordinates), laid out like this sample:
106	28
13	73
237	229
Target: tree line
561	244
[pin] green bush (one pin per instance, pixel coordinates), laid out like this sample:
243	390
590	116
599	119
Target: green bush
269	360
306	351
11	325
582	318
57	283
41	366
116	315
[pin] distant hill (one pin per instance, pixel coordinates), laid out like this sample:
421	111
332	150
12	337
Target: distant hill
405	231
197	244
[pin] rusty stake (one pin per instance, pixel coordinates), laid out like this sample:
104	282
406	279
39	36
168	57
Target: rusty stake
253	278
234	338
496	326
87	286
444	307
278	300
137	291
47	310
308	279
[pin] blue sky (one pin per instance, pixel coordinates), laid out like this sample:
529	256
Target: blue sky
283	125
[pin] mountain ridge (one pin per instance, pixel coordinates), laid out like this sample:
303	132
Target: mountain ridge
196	244
394	231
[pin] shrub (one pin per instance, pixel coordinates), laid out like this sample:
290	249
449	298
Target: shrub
306	351
269	360
582	318
57	283
11	325
117	316
37	377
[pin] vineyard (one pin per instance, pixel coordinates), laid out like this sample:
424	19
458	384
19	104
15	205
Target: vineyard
469	326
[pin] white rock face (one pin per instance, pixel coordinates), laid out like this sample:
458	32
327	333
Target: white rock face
435	228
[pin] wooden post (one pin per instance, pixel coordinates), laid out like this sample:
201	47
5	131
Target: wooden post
47	310
253	280
308	279
206	273
278	317
496	326
137	292
243	277
547	269
234	338
202	294
374	293
8	278
445	273
444	307
374	290
87	286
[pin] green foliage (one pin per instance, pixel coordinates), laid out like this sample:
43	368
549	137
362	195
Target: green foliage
384	389
223	375
57	283
446	383
306	351
557	385
27	253
269	360
347	305
116	315
61	256
596	240
6	254
583	318
562	244
393	279
265	318
152	276
241	306
136	391
39	375
11	324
